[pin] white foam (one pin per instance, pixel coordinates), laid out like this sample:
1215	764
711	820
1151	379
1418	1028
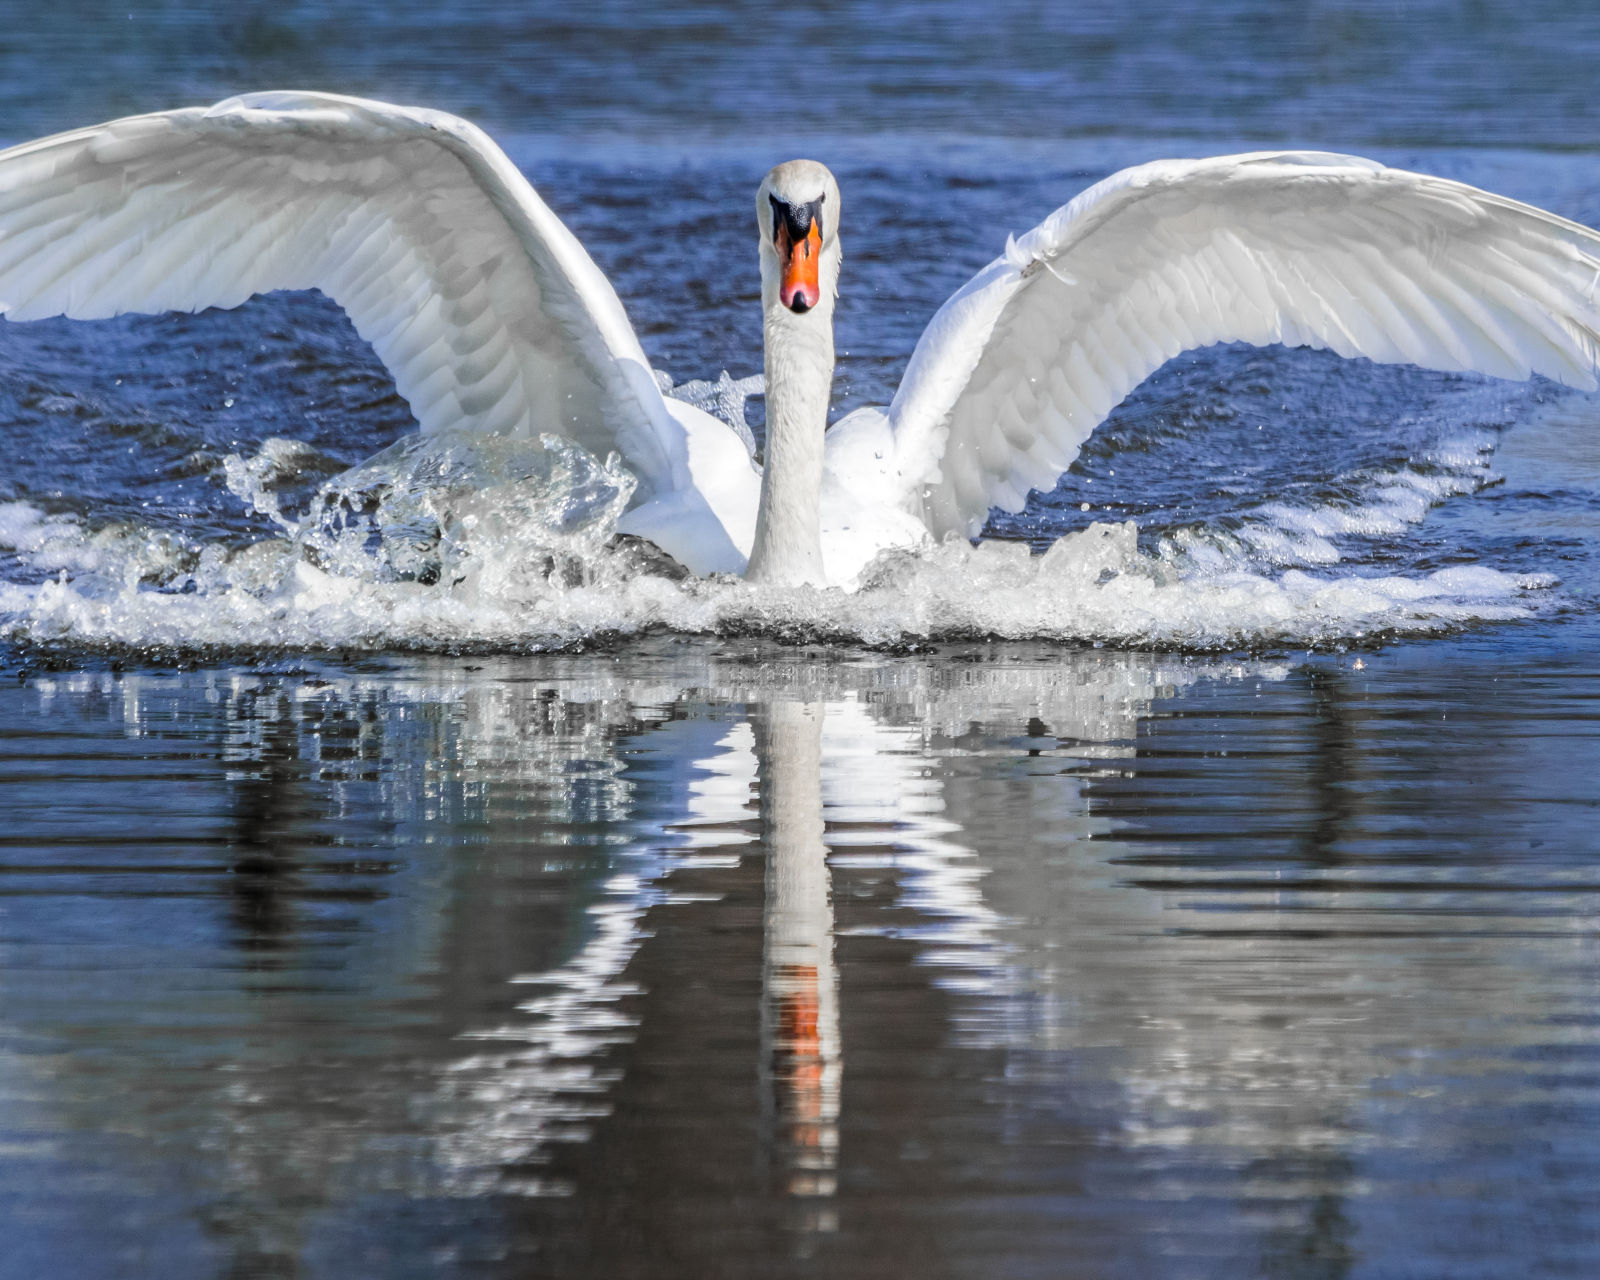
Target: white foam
439	543
1376	503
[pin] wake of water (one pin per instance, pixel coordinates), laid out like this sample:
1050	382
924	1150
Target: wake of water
452	540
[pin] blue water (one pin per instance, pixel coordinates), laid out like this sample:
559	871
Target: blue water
1224	944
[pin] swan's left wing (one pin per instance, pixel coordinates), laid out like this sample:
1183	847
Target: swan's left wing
1302	248
483	306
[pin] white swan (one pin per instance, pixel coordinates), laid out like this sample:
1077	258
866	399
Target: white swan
491	316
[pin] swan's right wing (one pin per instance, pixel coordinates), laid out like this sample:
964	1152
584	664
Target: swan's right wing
1305	249
483	306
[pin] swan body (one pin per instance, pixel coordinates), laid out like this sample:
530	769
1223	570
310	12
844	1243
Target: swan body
491	316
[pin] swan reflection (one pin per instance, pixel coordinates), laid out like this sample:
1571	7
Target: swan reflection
822	767
801	1054
473	908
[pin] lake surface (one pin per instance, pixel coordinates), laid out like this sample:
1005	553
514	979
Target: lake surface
1227	907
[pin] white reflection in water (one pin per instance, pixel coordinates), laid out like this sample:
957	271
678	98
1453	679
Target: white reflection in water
649	776
510	1104
843	776
801	1057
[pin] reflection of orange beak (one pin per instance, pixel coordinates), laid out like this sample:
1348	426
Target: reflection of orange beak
799	1050
799	260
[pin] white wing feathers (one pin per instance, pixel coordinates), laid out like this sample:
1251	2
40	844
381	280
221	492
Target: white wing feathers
483	306
1306	249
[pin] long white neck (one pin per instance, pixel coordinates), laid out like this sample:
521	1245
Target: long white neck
799	363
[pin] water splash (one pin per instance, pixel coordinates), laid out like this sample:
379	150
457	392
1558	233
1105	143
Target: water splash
463	507
725	398
452	540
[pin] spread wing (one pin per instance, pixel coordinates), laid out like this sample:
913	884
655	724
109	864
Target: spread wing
483	306
1302	248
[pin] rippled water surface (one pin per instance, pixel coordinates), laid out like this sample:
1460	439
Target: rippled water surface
695	960
1215	898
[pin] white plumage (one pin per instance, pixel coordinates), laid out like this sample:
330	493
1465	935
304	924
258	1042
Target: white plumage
1302	248
491	316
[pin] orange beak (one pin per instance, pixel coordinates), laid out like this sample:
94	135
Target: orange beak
800	259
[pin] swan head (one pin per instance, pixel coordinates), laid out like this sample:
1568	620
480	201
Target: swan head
797	212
